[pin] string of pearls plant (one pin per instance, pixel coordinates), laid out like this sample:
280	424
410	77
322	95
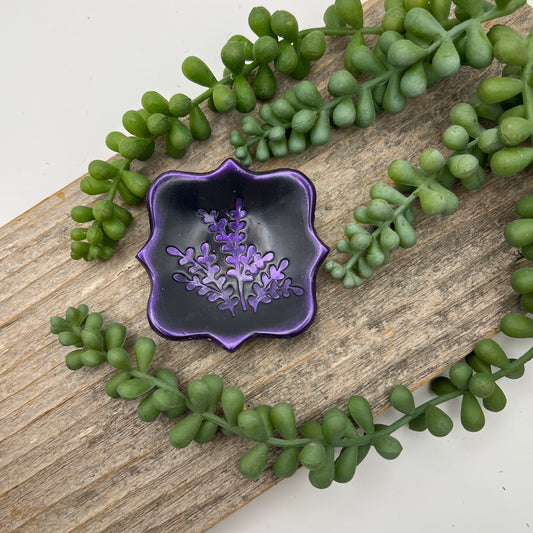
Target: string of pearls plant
506	104
332	448
419	42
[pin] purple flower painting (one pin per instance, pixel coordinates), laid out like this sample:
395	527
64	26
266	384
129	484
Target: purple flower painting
232	254
243	265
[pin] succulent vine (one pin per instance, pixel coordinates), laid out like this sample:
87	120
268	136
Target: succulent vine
418	44
492	130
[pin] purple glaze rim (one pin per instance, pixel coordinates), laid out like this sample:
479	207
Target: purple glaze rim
233	342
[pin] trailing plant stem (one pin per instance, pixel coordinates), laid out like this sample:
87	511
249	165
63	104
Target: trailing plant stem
527	91
344	442
367	439
337	32
400	210
375	234
114	187
246	71
159	383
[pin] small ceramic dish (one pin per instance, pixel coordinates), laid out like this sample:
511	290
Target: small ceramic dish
232	254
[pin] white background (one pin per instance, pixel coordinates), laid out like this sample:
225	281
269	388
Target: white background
69	71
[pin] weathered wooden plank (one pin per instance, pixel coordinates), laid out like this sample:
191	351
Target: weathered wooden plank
71	457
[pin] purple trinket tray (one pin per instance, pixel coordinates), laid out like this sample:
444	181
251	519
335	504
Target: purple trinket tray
232	254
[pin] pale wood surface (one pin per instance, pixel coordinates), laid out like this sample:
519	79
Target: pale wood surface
70	457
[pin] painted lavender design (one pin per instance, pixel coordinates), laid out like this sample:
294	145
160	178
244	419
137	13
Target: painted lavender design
248	277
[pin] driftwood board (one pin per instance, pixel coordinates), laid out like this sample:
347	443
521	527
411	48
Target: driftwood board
72	457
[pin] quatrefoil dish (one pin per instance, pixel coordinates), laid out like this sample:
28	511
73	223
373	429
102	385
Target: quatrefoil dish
232	254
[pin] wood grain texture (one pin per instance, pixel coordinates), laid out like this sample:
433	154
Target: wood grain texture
70	457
